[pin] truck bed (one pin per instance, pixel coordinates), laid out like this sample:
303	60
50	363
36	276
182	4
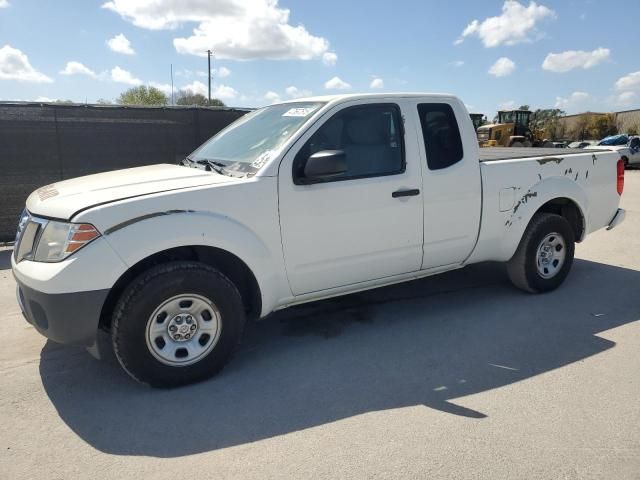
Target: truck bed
488	154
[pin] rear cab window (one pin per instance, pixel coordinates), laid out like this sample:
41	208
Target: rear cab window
441	135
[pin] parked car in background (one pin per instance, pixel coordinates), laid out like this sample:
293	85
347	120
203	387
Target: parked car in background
582	143
292	203
628	147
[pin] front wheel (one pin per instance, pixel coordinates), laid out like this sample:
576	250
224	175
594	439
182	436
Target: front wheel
177	323
545	254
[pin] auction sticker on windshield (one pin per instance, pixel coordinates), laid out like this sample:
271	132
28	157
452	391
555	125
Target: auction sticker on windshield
299	111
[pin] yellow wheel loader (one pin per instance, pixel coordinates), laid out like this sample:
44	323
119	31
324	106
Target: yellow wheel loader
511	130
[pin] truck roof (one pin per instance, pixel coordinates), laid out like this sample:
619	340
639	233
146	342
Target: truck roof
365	96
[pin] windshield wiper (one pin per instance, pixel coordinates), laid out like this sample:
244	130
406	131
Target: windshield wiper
217	167
213	165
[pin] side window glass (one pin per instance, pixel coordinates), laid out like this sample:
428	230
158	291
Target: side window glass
441	135
370	137
635	143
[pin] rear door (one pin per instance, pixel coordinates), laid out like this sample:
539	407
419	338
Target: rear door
452	192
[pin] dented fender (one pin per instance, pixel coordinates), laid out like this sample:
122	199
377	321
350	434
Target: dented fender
501	233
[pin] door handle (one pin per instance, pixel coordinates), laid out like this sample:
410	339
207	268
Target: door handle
406	193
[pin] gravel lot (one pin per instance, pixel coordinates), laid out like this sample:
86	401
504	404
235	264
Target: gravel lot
455	376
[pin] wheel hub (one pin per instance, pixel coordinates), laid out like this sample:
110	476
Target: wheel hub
182	328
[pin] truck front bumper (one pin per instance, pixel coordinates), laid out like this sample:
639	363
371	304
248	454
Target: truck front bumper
617	219
69	318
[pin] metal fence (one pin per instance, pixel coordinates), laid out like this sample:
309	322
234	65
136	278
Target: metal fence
45	143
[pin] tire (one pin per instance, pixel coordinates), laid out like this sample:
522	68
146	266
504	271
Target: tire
523	269
177	296
625	160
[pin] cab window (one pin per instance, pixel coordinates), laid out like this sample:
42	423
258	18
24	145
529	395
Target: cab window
370	137
441	135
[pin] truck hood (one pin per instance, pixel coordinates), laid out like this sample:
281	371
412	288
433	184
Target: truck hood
66	198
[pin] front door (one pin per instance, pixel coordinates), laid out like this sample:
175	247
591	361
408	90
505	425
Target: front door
352	228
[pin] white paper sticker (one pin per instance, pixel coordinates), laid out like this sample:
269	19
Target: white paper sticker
298	112
262	159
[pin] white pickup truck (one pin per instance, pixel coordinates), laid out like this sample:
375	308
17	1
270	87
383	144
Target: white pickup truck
292	203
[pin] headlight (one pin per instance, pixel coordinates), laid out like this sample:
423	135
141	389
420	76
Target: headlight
59	240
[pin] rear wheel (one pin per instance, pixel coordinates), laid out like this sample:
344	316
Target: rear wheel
545	254
626	162
177	323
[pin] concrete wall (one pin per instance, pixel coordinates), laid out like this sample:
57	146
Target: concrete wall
45	143
627	120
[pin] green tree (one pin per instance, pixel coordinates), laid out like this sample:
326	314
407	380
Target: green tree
104	101
524	107
602	126
547	123
142	95
189	97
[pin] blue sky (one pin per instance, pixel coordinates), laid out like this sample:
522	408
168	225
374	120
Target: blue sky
575	54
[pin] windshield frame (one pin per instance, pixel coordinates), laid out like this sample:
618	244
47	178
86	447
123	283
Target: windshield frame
251	168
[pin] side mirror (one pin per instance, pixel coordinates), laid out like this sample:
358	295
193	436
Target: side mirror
325	165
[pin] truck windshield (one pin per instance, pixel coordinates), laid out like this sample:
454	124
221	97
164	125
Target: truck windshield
249	143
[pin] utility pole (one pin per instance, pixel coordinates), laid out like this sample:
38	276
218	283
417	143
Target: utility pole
172	99
209	52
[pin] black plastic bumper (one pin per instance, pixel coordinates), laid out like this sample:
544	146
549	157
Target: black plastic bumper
69	318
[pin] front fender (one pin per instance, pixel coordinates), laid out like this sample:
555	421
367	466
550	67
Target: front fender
141	237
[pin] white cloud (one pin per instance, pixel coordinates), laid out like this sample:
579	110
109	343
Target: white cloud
197	87
4	3
120	75
572	59
295	92
235	29
503	67
508	105
15	65
223	91
336	83
516	24
217	91
629	82
77	68
120	44
574	100
329	59
272	97
376	83
221	72
45	99
628	89
457	63
163	87
626	99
